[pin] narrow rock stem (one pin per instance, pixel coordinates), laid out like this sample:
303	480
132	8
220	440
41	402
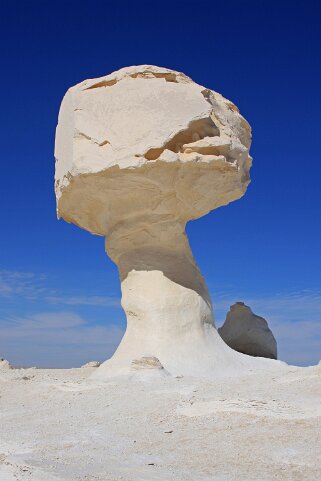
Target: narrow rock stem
164	293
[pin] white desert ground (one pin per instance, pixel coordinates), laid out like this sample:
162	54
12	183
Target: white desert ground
58	425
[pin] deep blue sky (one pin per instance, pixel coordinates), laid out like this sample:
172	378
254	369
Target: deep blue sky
59	293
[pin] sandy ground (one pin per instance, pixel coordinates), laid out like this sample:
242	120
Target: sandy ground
56	425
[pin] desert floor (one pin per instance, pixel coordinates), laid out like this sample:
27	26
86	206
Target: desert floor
56	425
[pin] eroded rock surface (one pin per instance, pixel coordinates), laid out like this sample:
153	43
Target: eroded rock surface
147	140
248	333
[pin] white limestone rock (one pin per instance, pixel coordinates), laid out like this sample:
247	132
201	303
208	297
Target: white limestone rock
139	153
4	364
146	362
91	364
248	333
116	135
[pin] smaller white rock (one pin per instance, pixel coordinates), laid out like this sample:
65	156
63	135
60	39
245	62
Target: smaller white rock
146	362
248	333
91	364
4	364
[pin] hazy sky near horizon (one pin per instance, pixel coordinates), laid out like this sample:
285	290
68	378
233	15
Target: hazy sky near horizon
59	293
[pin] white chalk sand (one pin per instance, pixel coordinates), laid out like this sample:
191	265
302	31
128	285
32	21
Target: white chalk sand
57	425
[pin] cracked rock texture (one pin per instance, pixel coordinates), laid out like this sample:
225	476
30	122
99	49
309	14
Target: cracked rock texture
248	333
139	153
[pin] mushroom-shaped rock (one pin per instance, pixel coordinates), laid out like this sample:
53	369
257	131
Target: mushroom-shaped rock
138	154
248	333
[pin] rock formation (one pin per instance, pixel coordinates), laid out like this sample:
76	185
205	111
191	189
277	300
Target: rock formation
91	364
146	363
4	364
139	153
248	333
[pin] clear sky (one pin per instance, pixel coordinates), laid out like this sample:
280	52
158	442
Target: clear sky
59	293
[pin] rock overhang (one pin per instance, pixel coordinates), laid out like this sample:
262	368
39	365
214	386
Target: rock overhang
97	202
147	140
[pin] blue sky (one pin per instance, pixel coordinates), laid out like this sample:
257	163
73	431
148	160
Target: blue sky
59	293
